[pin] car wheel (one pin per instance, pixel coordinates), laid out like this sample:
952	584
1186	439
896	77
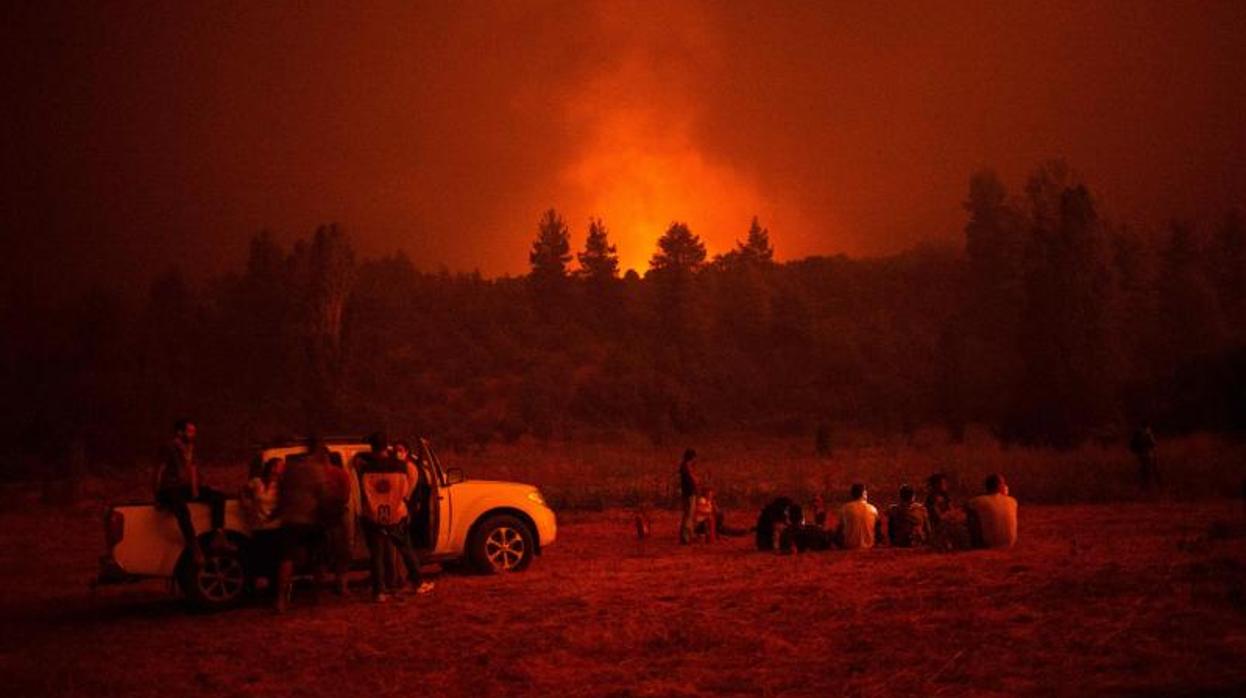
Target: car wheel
502	544
219	584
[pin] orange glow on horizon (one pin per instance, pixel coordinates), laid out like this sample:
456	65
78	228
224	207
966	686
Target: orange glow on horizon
638	176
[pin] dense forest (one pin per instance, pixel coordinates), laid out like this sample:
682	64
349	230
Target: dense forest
1053	325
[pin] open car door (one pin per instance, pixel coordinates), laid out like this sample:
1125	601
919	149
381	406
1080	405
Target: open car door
431	529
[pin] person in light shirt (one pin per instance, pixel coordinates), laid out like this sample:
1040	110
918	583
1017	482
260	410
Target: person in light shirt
993	516
859	524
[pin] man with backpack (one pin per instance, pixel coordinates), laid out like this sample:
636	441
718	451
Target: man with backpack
384	485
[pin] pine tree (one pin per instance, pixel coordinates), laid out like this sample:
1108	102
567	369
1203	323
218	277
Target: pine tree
756	248
600	260
1068	337
551	251
680	252
986	367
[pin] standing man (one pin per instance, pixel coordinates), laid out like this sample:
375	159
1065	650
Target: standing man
1142	445
176	483
299	506
859	525
384	487
688	492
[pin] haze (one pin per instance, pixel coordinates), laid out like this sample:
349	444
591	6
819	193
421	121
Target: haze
141	136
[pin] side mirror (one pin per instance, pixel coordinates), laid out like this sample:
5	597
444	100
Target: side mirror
454	475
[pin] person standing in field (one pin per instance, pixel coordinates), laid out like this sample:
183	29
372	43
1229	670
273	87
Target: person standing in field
908	525
1142	445
384	487
176	484
688	496
859	524
993	516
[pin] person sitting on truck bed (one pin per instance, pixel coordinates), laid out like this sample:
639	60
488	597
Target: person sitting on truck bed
384	487
177	483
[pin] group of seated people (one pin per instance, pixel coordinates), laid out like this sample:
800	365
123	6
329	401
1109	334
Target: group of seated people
988	520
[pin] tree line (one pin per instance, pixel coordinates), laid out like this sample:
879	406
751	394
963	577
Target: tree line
1052	325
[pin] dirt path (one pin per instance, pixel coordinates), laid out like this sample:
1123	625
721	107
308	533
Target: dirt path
1149	604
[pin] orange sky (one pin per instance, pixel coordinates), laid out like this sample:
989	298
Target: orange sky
144	136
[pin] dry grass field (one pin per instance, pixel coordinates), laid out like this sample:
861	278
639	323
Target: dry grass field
1095	600
1102	596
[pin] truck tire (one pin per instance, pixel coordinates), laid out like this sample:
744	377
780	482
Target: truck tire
501	543
220	583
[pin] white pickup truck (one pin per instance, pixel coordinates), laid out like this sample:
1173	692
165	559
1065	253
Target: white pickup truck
495	526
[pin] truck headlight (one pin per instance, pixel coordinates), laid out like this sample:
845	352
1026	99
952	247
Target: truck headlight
535	496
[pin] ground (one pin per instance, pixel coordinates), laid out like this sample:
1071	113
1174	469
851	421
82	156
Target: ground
1095	599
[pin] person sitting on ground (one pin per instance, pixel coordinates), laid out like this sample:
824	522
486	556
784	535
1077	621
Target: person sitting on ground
993	516
773	519
384	488
259	499
859	524
299	506
705	516
817	509
177	484
721	527
907	522
801	535
948	529
938	499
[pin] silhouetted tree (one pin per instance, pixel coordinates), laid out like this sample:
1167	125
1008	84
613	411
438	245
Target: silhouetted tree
986	368
551	251
599	262
1068	390
323	273
756	247
680	253
550	254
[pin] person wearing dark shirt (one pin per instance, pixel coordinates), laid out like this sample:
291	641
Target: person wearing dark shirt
908	524
299	507
384	486
817	509
177	484
774	519
938	500
688	496
335	517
